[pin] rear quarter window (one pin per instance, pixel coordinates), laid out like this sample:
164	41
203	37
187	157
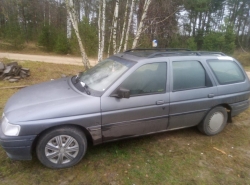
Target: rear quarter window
226	71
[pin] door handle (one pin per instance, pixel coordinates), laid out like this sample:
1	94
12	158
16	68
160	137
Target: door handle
159	102
210	95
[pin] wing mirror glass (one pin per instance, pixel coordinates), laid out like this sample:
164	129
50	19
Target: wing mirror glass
122	93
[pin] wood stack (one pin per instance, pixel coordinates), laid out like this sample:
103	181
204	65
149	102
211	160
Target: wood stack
13	72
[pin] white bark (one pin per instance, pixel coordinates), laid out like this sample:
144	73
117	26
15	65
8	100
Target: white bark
129	23
69	30
110	37
72	14
115	25
140	27
99	31
123	28
103	26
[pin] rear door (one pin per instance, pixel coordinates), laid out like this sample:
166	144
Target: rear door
147	109
192	92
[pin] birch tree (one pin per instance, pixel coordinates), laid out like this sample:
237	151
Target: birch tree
140	27
99	31
101	28
129	23
116	11
72	14
123	28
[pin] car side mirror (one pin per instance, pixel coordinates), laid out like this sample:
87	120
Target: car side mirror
122	93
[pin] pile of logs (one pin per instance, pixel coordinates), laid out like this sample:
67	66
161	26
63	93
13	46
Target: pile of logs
13	72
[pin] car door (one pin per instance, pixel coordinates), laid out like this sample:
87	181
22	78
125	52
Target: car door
192	94
147	108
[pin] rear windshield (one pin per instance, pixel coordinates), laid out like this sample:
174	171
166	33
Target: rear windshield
226	71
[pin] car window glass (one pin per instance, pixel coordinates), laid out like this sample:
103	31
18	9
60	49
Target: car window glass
148	79
101	76
189	75
226	71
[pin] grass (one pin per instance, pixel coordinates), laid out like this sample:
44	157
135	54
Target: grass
176	157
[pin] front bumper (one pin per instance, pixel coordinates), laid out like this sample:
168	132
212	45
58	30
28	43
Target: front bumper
17	147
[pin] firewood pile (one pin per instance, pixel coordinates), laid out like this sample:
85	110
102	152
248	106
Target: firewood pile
13	72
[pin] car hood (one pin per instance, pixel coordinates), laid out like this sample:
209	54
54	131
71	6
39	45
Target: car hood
48	100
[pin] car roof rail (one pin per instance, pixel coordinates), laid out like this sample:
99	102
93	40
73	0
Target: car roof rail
157	49
211	53
186	53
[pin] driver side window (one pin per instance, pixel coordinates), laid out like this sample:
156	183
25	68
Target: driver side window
147	79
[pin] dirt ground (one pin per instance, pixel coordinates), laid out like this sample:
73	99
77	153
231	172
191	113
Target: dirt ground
52	59
49	59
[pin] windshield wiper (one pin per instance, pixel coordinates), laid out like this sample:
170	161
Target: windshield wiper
76	79
86	87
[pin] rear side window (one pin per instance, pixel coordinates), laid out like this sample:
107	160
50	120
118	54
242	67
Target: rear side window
189	75
226	71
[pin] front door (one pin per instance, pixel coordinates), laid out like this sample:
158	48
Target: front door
146	111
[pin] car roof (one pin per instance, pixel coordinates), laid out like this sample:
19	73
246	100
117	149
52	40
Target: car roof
138	54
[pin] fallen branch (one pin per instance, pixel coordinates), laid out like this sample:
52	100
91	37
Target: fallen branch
220	150
14	87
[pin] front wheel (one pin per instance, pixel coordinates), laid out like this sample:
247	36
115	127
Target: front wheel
214	122
61	147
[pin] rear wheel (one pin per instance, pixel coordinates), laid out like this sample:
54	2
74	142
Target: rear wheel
61	147
214	122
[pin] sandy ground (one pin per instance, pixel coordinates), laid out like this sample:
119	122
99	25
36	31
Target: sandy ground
49	59
52	59
248	74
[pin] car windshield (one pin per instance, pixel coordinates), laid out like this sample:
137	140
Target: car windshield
101	76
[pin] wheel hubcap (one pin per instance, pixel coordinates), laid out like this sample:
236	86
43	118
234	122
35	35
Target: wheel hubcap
216	121
61	149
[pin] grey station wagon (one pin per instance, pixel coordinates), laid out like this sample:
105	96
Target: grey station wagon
130	94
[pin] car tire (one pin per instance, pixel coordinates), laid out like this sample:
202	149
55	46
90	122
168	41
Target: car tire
214	122
61	147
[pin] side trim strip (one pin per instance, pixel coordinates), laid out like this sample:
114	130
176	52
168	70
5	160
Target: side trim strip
137	120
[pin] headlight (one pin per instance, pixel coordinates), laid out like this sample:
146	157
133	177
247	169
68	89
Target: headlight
9	129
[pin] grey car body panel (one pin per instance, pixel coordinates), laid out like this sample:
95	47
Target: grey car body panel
106	118
53	103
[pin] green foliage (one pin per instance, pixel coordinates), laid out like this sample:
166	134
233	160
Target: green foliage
13	34
62	44
219	41
180	41
191	44
89	36
46	38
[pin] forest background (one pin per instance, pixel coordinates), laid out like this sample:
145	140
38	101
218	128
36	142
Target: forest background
110	26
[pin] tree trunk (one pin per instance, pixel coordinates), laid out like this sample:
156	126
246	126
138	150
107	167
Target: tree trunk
115	25
103	27
129	24
72	15
99	31
139	30
123	28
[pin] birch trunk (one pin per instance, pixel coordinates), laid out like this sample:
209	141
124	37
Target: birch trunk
115	25
139	30
110	37
129	23
103	26
72	14
69	30
99	31
123	28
